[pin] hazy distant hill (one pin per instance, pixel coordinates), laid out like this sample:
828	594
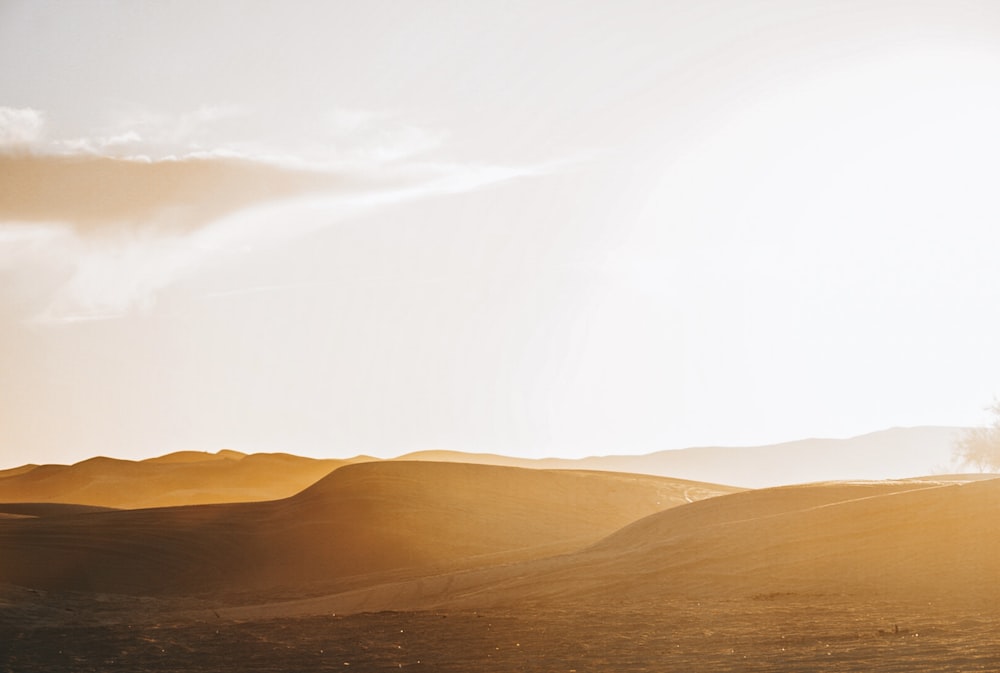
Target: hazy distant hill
192	477
888	454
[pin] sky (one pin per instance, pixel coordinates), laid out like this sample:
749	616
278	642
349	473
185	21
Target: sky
535	228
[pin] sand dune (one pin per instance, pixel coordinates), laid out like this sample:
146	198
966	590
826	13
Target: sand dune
905	541
405	535
361	519
176	479
192	477
196	456
893	538
14	471
460	571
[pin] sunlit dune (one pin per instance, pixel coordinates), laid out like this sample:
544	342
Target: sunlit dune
894	539
186	478
480	567
196	477
14	471
361	519
196	456
903	541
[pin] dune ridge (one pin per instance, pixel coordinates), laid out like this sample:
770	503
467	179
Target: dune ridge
911	541
195	477
362	519
187	477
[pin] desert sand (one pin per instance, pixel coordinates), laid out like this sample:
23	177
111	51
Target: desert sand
466	567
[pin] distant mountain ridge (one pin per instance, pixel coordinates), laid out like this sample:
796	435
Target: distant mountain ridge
194	477
895	453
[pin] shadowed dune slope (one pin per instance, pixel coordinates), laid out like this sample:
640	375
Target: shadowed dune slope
911	540
901	540
44	509
186	478
361	519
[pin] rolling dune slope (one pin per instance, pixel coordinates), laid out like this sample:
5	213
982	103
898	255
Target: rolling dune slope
908	540
191	477
362	519
900	540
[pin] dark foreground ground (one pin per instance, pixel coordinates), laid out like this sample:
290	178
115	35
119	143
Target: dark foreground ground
761	633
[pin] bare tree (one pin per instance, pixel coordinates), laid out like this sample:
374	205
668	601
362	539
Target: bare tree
980	446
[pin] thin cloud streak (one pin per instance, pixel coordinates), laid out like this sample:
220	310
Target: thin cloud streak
109	276
344	139
129	211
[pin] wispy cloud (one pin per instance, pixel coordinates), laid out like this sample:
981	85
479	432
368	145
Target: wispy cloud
111	277
141	134
108	281
342	139
130	211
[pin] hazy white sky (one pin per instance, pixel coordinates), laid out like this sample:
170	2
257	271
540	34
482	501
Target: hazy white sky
533	228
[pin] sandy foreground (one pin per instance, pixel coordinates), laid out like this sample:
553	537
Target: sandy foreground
758	633
451	567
